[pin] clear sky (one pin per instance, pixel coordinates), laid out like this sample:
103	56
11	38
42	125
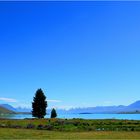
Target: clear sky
80	53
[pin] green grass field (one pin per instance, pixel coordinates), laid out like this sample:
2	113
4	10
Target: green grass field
69	129
10	133
72	125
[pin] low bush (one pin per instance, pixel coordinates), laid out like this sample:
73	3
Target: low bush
48	127
40	127
30	126
3	125
15	126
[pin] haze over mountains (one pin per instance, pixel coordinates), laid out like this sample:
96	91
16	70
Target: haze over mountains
134	107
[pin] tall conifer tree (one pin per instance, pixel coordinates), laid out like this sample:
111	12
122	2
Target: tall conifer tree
39	104
53	113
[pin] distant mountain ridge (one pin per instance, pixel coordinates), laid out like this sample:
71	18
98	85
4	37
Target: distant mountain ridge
108	109
98	109
18	109
135	104
9	107
4	110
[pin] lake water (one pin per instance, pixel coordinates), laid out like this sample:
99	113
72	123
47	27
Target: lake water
83	116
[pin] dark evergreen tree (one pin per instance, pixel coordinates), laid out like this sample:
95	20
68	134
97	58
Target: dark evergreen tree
39	104
53	113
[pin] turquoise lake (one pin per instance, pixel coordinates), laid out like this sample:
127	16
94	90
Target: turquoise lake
83	116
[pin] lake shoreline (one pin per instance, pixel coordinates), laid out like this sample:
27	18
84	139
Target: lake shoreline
82	116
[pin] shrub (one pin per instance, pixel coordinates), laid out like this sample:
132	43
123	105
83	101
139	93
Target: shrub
30	126
60	122
16	126
48	127
76	123
3	125
40	127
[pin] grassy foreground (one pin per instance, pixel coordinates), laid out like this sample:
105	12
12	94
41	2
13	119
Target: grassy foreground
69	129
10	133
72	125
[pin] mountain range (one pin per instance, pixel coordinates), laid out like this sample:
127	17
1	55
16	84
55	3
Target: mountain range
134	107
18	109
5	111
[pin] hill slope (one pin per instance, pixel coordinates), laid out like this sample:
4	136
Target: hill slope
135	104
5	111
9	107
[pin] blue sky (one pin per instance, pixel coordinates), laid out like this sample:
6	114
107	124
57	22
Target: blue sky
80	53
